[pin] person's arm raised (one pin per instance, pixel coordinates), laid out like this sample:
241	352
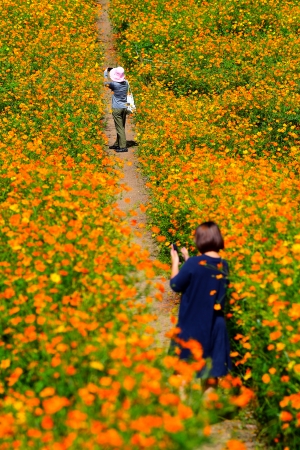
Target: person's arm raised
175	262
185	253
180	279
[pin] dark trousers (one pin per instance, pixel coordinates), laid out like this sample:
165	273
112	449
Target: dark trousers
119	115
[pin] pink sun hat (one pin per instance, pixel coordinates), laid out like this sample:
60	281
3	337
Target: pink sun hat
117	74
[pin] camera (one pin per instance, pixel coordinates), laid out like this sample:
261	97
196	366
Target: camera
176	248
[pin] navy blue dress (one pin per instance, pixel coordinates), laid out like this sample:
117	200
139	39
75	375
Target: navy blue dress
203	280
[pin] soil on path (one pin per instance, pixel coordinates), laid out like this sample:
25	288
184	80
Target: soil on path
137	194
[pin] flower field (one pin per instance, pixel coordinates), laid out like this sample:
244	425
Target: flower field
78	368
217	92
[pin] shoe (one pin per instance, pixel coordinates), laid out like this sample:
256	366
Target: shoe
114	146
121	150
131	143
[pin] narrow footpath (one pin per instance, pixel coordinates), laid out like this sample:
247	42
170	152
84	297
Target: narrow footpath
136	195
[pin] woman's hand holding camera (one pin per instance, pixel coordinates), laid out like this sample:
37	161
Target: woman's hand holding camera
175	258
106	71
185	253
174	255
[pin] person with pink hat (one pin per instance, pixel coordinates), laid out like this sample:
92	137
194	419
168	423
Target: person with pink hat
119	86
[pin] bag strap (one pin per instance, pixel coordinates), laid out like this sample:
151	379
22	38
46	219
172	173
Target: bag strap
129	89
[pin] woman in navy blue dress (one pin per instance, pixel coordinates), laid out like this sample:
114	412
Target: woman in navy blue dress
203	281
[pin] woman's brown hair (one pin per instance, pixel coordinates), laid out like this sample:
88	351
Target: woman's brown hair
208	238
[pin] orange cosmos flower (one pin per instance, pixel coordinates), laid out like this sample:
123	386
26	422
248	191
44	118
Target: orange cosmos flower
14	377
266	378
47	392
172	424
286	416
234	444
47	423
55	404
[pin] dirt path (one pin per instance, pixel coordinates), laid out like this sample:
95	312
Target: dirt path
137	194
